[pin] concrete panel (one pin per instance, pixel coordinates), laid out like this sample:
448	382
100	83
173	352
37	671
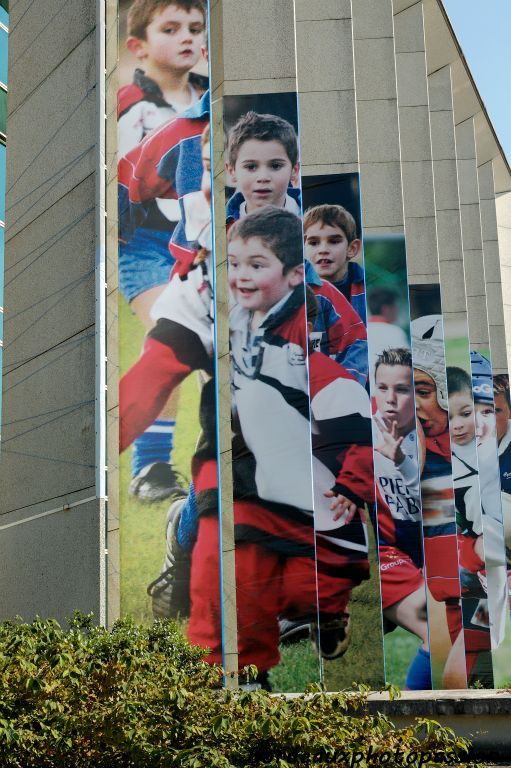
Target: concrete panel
489	228
49	281
374	69
446	184
382	231
477	321
266	47
51	452
414	133
505	245
246	87
380	185
449	235
491	261
486	184
41	41
418	189
503	209
467	181
327	168
322	9
471	227
465	141
440	90
332	138
474	272
498	349
409	30
452	282
442	135
378	137
421	247
52	564
44	165
494	303
401	5
371	20
324	55
411	79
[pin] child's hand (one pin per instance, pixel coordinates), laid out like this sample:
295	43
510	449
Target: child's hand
391	447
341	504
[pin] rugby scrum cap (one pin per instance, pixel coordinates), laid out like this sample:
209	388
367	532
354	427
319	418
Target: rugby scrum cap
482	381
428	353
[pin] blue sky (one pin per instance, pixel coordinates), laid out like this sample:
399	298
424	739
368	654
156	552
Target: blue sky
483	29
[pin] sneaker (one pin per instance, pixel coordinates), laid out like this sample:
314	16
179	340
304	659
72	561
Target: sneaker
155	482
293	631
332	638
170	592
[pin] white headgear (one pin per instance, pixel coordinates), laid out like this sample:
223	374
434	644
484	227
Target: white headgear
428	353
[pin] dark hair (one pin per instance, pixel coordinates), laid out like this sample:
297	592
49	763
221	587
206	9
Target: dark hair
333	216
253	125
141	13
378	298
501	386
398	356
280	231
458	380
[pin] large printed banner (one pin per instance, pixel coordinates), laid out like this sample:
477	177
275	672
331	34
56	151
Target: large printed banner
371	468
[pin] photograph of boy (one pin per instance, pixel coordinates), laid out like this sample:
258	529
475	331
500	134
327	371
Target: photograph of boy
469	659
396	469
262	161
274	508
437	492
503	429
167	38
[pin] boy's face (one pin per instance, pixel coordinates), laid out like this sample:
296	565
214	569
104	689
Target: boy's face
394	396
502	415
256	276
206	173
328	249
262	173
485	421
173	40
461	417
433	418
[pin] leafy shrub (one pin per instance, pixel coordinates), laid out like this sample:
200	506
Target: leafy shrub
138	697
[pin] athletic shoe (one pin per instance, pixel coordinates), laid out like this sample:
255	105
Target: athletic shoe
170	592
332	638
293	631
156	482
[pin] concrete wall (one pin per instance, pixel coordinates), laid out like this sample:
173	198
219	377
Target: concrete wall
51	521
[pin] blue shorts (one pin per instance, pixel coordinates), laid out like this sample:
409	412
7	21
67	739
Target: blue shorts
144	262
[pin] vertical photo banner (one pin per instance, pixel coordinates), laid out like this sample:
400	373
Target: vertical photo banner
341	433
399	455
167	402
278	613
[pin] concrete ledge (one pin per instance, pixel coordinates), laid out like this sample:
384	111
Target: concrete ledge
482	716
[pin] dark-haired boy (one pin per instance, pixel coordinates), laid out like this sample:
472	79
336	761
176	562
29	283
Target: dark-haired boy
273	493
262	159
331	245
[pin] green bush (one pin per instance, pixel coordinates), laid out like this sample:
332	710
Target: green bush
143	697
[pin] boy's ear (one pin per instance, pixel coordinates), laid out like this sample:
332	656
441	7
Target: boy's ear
204	52
136	46
354	249
229	169
295	276
295	176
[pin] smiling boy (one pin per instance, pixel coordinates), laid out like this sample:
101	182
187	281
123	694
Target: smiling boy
331	244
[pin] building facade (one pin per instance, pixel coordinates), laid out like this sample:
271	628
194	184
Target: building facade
388	125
